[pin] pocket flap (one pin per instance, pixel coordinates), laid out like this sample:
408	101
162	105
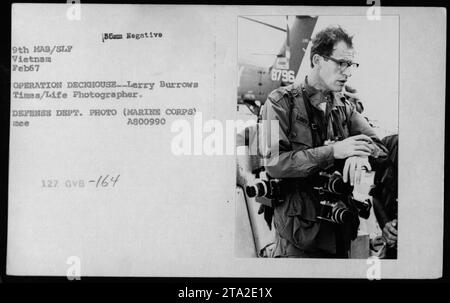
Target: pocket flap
303	205
301	133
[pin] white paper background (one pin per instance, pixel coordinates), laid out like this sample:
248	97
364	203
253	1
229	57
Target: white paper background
172	215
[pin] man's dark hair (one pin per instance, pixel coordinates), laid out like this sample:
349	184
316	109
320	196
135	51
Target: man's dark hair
325	40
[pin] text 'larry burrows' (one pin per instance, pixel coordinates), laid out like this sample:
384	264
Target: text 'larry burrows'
103	84
134	36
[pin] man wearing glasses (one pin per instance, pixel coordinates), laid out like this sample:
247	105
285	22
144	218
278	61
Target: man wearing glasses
320	131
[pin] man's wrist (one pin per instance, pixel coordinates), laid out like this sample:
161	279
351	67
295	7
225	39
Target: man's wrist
328	152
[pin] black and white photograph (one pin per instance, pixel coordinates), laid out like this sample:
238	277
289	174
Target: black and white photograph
328	188
225	141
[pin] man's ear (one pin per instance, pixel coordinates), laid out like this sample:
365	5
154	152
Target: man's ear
316	59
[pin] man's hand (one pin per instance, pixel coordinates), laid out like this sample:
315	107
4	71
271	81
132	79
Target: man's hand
360	145
353	169
350	92
353	97
390	232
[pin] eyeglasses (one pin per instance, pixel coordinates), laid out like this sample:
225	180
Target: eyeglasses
343	64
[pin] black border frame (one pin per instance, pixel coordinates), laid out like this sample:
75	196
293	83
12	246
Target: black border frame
283	287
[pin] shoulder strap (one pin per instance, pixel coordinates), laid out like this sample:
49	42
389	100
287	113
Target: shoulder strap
307	105
291	109
312	125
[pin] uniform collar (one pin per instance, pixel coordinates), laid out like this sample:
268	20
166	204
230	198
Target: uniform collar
316	96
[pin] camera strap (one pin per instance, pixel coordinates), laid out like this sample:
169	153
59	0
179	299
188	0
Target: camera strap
313	126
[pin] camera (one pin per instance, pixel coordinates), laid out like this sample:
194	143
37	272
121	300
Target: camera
333	184
363	207
263	188
259	189
335	212
338	204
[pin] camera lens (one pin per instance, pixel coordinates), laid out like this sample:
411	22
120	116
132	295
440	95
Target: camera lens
341	215
338	186
257	190
251	191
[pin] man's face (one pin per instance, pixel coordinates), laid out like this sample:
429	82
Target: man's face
332	76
